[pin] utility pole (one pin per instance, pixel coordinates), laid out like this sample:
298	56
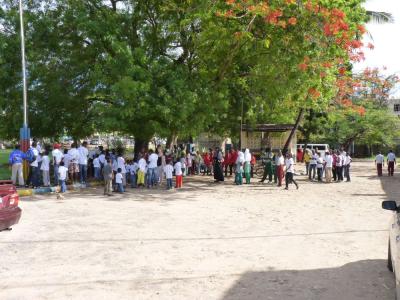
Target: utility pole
24	131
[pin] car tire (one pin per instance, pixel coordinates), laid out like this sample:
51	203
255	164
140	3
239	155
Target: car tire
389	260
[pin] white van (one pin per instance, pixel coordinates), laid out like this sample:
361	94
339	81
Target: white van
319	148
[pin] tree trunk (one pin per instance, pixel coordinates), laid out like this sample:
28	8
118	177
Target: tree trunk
171	141
141	145
292	133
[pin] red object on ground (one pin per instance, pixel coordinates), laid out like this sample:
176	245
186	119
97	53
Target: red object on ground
10	213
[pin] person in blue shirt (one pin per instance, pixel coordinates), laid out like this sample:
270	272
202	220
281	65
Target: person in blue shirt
16	162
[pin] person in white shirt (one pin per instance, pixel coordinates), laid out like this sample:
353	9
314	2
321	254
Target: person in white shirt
57	157
62	177
73	165
133	169
178	175
121	165
346	164
45	168
339	166
391	161
97	167
320	166
141	171
66	159
313	165
328	166
152	169
169	169
280	162
83	161
379	162
34	171
289	162
119	181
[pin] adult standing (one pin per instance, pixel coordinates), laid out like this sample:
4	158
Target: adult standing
227	162
218	160
313	165
268	168
280	162
247	165
34	171
73	166
289	178
328	167
347	162
379	162
307	159
391	161
57	157
152	168
121	165
339	166
108	177
239	168
83	161
334	170
16	160
161	163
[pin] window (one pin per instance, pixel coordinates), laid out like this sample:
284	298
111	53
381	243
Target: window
396	108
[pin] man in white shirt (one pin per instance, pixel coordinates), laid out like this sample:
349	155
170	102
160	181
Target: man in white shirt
34	171
83	161
313	165
339	166
379	162
57	157
73	166
347	162
328	167
290	171
391	160
152	168
280	162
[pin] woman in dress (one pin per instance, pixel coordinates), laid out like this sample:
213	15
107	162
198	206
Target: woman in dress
218	160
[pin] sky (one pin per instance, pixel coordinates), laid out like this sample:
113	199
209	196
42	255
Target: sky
385	39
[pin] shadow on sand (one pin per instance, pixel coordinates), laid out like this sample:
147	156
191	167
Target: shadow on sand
350	282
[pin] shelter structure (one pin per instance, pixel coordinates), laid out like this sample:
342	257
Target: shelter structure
261	136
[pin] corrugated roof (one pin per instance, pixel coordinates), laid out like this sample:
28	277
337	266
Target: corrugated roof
268	127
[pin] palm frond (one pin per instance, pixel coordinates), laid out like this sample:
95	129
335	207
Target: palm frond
380	17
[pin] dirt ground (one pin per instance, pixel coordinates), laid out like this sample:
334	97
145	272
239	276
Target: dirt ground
207	241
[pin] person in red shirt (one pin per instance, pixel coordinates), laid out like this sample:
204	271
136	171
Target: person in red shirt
232	162
253	164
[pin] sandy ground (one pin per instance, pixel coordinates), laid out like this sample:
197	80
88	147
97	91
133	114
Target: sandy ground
207	241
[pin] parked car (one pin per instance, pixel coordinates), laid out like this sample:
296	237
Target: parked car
393	262
10	213
319	148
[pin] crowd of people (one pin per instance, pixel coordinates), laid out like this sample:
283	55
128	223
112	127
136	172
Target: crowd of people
55	166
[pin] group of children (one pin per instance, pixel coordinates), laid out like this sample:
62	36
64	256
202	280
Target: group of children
334	165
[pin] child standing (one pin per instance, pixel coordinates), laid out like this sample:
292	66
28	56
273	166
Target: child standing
97	167
45	167
178	174
62	177
169	169
119	181
133	173
141	172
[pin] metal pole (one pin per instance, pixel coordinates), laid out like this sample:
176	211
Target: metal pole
25	93
25	133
